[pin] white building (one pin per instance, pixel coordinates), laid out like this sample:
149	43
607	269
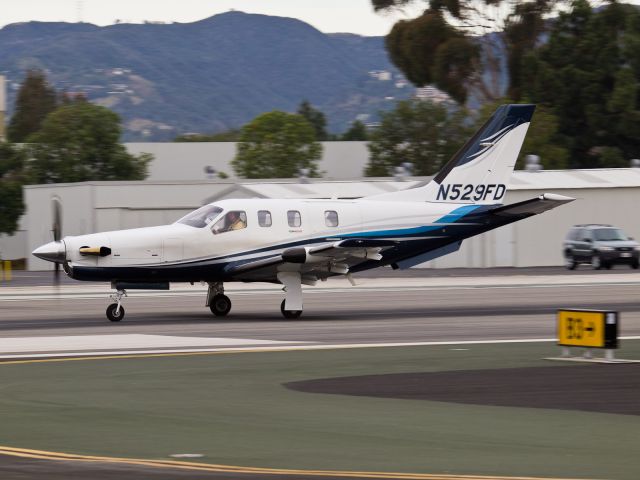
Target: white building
187	161
432	94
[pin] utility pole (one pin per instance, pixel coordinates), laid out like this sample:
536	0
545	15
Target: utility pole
3	108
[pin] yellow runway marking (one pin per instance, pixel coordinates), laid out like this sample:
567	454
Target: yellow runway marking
213	468
153	355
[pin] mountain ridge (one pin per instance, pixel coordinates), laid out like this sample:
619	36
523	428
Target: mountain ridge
206	76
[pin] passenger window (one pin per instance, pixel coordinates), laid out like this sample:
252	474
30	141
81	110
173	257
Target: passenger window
294	218
235	220
264	218
331	218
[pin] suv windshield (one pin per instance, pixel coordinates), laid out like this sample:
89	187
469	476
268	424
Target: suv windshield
609	234
201	217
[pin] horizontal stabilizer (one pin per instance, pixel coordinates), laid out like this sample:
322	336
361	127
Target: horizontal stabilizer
544	202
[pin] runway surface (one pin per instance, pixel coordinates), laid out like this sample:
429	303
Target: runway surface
376	311
38	320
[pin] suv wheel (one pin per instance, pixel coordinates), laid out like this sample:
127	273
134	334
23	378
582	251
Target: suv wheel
570	261
635	264
596	262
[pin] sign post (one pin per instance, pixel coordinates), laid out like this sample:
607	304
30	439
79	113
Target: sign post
588	329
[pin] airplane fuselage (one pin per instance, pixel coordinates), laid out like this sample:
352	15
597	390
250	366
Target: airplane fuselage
182	252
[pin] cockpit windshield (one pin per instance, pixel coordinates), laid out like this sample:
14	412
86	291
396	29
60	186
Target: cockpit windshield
201	217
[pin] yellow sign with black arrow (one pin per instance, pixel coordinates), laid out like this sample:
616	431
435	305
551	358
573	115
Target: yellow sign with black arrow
588	328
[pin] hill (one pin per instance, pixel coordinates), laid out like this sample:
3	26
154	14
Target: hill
205	76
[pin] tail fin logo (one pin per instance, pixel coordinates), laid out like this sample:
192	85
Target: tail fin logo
492	140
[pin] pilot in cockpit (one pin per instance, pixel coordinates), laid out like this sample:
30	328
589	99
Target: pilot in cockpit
235	221
231	221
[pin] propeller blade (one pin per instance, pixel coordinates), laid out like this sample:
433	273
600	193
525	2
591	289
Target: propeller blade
57	220
57	235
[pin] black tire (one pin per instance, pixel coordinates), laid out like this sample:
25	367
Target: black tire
596	262
570	261
220	305
111	312
607	265
289	314
635	264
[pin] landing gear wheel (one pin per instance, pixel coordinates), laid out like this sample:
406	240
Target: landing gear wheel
596	263
570	262
114	314
289	314
220	305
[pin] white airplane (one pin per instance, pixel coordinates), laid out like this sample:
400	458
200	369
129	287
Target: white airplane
298	242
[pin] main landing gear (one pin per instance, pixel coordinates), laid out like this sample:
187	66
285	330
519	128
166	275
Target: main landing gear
115	311
289	314
217	301
291	306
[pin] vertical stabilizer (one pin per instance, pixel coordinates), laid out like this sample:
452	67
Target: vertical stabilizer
479	172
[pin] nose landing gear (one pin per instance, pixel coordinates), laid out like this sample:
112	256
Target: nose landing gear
115	311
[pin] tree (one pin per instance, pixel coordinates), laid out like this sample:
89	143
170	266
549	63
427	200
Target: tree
316	118
429	51
36	99
423	133
11	181
80	142
357	132
588	73
453	43
277	145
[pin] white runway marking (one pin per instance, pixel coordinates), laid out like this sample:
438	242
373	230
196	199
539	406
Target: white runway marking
122	343
283	346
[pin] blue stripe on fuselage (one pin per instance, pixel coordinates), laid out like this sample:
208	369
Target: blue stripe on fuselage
450	217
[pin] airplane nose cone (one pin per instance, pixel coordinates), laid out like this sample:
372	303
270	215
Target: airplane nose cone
51	252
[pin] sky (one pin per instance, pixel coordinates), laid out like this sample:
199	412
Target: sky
354	16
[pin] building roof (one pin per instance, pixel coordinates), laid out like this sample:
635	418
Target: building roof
586	178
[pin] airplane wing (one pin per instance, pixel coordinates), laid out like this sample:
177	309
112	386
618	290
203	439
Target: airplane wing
318	260
534	206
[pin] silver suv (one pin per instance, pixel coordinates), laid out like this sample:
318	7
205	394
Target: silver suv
600	245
